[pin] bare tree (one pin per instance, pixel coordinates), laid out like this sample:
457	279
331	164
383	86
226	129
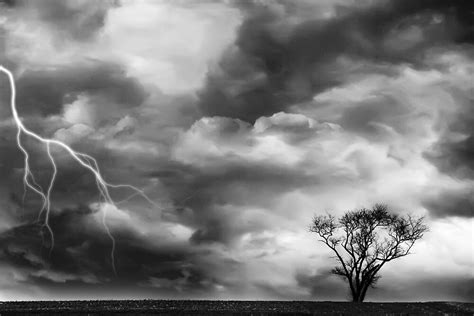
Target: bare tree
365	240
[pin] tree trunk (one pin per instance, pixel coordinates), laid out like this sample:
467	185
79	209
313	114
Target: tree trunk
358	295
357	298
364	291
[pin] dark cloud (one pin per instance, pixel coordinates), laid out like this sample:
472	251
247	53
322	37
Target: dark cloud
9	3
81	256
208	192
11	157
381	109
455	157
79	20
73	184
451	202
323	285
46	91
275	64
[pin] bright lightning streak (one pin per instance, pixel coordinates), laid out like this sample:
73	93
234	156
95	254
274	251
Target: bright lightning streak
84	160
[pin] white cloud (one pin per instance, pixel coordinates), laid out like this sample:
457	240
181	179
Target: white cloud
152	226
165	44
74	133
80	111
210	139
169	44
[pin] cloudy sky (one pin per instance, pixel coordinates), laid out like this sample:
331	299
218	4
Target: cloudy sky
241	120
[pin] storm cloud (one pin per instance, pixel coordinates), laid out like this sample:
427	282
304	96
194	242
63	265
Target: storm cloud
283	55
240	120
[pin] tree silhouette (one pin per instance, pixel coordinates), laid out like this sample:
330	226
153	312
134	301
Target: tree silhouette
365	240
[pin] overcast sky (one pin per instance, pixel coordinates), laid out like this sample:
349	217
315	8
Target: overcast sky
241	120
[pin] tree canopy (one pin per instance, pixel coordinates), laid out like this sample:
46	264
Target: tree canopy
364	240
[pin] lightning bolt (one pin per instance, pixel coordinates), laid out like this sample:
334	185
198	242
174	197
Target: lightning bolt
85	160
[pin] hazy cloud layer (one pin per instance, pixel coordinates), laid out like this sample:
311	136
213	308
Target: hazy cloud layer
240	119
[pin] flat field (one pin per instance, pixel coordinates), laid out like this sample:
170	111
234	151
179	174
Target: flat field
198	307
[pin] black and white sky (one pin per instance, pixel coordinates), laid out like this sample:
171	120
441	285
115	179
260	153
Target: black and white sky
241	120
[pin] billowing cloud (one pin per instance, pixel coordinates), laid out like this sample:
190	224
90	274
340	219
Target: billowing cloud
169	45
282	56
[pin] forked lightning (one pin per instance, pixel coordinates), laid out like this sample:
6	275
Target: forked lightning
83	159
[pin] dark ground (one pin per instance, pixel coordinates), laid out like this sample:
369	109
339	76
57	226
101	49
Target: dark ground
166	307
